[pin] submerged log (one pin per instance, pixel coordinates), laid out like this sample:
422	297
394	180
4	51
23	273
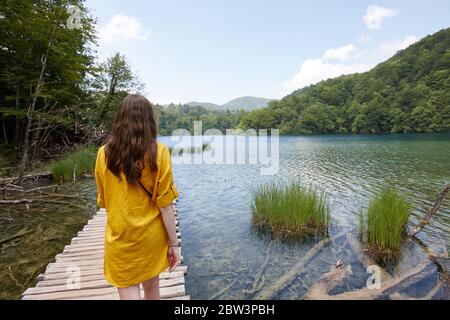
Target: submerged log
320	290
298	268
258	279
224	290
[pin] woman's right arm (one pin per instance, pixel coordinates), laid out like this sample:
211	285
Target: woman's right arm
99	180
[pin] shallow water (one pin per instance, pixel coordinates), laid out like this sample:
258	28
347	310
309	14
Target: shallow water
220	247
31	237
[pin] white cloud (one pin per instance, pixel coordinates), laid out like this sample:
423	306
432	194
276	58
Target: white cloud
389	48
315	70
375	15
340	54
123	28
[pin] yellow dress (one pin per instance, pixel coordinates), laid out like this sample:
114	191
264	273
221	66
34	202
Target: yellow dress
136	241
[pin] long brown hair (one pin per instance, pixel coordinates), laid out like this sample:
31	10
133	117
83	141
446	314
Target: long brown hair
132	142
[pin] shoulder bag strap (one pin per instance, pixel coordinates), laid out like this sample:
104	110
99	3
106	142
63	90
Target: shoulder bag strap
146	191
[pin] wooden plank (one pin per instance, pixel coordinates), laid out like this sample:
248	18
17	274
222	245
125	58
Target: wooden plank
98	293
89	236
178	298
86	266
95	274
61	279
75	248
81	248
93	255
96	241
92	285
86	252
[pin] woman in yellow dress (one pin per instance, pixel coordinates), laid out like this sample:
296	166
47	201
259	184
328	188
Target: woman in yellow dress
135	185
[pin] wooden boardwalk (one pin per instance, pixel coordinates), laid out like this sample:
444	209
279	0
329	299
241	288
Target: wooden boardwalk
77	273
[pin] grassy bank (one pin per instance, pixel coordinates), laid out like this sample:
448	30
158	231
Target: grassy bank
81	161
290	210
383	225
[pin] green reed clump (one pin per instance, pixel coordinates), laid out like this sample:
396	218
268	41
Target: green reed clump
290	210
82	161
383	226
189	150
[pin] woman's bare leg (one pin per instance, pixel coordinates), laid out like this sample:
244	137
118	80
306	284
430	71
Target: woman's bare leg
151	289
131	293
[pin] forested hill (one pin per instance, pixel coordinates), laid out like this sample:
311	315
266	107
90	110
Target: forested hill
408	93
242	103
246	103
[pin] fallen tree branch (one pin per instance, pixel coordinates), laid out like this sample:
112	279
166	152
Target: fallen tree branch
219	274
37	176
55	187
65	203
15	202
13	278
260	273
432	211
11	186
19	234
224	290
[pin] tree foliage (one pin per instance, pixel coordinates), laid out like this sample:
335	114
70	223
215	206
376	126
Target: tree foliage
52	90
408	93
174	117
43	70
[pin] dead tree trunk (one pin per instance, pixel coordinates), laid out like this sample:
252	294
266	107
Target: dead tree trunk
432	211
32	107
108	100
5	134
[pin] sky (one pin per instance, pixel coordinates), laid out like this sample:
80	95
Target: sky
215	51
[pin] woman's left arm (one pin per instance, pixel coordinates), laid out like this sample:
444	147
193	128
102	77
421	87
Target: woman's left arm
168	216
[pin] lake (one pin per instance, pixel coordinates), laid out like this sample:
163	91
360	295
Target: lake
224	254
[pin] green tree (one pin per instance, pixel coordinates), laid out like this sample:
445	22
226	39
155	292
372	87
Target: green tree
421	118
43	66
115	76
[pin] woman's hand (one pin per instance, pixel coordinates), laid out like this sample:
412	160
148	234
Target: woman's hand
174	258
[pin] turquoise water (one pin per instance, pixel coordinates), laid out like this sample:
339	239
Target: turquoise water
223	253
221	250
